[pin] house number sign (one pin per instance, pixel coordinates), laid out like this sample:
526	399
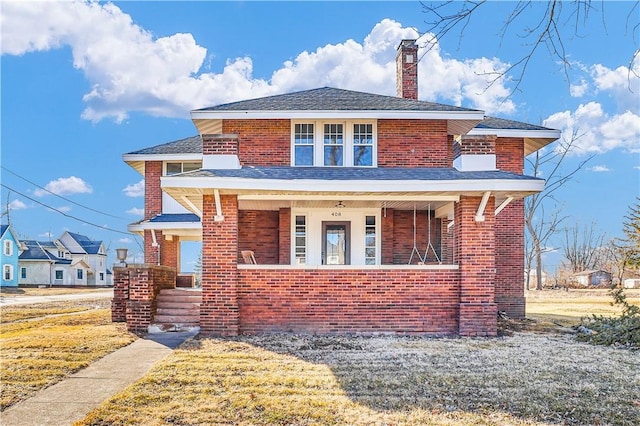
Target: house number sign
336	214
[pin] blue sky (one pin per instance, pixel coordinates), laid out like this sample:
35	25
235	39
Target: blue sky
82	83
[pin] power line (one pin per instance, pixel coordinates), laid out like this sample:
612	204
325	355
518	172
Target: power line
60	196
65	214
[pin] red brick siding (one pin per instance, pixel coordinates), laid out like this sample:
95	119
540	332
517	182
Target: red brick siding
403	236
219	309
284	236
510	260
510	154
151	253
225	144
475	254
447	242
348	301
258	230
475	145
413	143
261	142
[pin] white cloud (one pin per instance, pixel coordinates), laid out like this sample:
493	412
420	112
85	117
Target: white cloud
599	168
596	131
116	57
579	90
46	235
136	211
17	205
65	186
64	209
125	240
135	190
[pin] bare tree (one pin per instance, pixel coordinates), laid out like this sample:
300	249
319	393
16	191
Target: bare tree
541	228
556	23
583	249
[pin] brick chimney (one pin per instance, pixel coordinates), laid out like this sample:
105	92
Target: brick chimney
407	70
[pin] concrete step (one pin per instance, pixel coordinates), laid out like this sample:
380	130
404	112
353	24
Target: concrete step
180	319
178	305
177	311
181	291
178	298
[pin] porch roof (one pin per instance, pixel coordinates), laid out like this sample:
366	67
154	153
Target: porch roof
372	186
185	225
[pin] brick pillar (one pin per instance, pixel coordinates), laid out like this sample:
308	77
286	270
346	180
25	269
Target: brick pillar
152	206
219	312
120	294
145	283
169	251
446	241
510	260
387	237
475	253
284	236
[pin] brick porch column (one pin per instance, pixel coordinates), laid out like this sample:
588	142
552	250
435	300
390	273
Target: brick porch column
475	253
510	260
284	236
219	312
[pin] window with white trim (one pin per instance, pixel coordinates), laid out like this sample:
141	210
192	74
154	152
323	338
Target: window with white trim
79	273
7	273
331	143
301	240
370	240
8	247
23	273
59	274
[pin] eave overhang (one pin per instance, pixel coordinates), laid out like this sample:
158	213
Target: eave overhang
136	161
533	139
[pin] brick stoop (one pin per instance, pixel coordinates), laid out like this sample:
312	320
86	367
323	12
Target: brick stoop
177	310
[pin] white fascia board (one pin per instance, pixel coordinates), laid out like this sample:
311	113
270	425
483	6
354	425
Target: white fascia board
516	133
338	114
162	157
341	186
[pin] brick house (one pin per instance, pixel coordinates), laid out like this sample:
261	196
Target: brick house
334	211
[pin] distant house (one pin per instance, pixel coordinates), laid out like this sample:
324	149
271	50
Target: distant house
89	258
44	262
72	259
592	278
10	252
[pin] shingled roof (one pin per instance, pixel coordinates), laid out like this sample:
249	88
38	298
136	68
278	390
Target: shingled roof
331	99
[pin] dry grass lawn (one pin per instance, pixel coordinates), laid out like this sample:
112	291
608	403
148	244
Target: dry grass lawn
43	343
526	378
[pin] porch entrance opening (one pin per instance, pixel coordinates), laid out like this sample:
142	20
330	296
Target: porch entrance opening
336	243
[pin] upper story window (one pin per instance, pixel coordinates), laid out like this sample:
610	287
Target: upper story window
8	248
173	168
334	144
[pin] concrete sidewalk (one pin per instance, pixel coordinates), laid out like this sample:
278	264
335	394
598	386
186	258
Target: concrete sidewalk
71	399
12	300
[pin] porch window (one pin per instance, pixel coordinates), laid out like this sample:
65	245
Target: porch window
303	141
301	240
370	240
333	144
350	143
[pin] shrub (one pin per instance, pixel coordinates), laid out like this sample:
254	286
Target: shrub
623	331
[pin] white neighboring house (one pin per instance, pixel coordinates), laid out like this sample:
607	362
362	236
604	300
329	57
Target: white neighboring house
87	255
73	259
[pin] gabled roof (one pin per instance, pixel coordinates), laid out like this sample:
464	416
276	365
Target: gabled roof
190	145
36	250
88	245
6	228
332	99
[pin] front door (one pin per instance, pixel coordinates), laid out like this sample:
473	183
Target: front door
335	243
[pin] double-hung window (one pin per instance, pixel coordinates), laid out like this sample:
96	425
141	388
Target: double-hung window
332	143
